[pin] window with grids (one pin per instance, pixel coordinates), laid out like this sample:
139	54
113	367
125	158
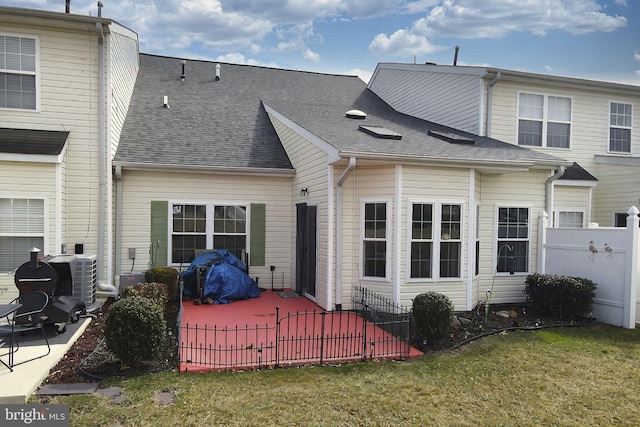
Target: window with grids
620	127
21	228
448	243
544	121
18	72
570	219
374	245
207	226
513	240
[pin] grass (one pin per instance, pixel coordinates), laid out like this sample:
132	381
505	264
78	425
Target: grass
568	376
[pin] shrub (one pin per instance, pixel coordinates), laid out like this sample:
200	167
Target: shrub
560	296
166	275
432	315
155	291
135	330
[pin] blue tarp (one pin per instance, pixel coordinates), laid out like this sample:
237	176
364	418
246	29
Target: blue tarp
226	279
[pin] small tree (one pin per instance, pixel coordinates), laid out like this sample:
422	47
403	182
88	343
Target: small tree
432	315
165	275
135	330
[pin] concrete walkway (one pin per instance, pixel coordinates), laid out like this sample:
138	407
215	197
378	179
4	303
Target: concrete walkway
17	386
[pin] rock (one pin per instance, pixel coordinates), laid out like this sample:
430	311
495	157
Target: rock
463	320
513	314
503	313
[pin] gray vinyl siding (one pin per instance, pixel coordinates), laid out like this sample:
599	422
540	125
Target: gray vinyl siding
124	65
449	99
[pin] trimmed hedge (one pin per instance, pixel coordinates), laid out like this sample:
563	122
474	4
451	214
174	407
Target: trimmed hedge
158	292
432	315
135	330
560	296
166	275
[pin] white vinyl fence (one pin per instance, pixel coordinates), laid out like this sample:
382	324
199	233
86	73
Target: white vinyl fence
606	255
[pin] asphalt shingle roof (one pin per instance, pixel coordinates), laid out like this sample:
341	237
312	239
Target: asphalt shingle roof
29	141
224	124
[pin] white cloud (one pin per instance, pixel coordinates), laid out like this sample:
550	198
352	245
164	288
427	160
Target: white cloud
621	3
497	18
238	58
311	55
549	69
636	55
365	76
402	43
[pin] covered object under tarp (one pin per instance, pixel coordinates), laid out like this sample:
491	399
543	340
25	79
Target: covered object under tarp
226	279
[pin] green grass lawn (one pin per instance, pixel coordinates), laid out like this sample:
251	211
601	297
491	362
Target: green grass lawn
569	376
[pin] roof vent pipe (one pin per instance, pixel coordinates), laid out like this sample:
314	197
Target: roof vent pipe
218	72
67	6
455	56
184	66
100	9
165	102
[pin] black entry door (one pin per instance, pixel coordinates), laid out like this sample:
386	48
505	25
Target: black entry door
306	228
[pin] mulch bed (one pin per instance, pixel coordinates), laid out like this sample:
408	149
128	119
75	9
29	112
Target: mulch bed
89	360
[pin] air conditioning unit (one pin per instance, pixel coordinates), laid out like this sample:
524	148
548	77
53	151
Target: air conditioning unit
85	279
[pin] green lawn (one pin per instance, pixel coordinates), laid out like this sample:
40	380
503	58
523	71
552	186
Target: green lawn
570	376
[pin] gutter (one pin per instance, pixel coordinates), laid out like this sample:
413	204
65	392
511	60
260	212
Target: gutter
104	289
205	169
345	175
495	80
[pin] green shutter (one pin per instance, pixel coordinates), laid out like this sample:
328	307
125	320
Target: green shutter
159	231
257	238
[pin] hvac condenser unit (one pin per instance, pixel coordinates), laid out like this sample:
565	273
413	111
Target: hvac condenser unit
85	279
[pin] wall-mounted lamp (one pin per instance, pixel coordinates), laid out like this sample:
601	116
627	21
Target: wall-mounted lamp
304	191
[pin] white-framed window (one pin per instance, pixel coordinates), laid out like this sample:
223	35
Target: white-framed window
513	240
375	239
22	227
18	72
207	226
544	120
570	219
620	127
436	240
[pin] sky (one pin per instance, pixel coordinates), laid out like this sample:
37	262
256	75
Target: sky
593	39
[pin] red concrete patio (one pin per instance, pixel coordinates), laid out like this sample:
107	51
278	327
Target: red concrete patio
275	330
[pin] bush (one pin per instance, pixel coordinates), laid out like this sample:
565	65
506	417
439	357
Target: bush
432	315
560	296
135	330
166	275
157	292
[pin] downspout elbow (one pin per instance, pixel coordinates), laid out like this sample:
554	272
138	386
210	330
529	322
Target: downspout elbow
345	174
549	190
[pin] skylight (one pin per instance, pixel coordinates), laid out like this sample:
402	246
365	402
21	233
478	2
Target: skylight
380	132
451	137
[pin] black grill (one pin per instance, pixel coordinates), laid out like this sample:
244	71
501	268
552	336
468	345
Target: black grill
55	279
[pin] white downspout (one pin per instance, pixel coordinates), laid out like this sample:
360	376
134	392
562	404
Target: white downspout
104	289
118	243
345	174
549	192
489	101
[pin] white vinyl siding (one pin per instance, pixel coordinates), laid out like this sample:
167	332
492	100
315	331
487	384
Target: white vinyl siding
312	173
617	188
197	189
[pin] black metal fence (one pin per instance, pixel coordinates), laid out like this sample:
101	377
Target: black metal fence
375	329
